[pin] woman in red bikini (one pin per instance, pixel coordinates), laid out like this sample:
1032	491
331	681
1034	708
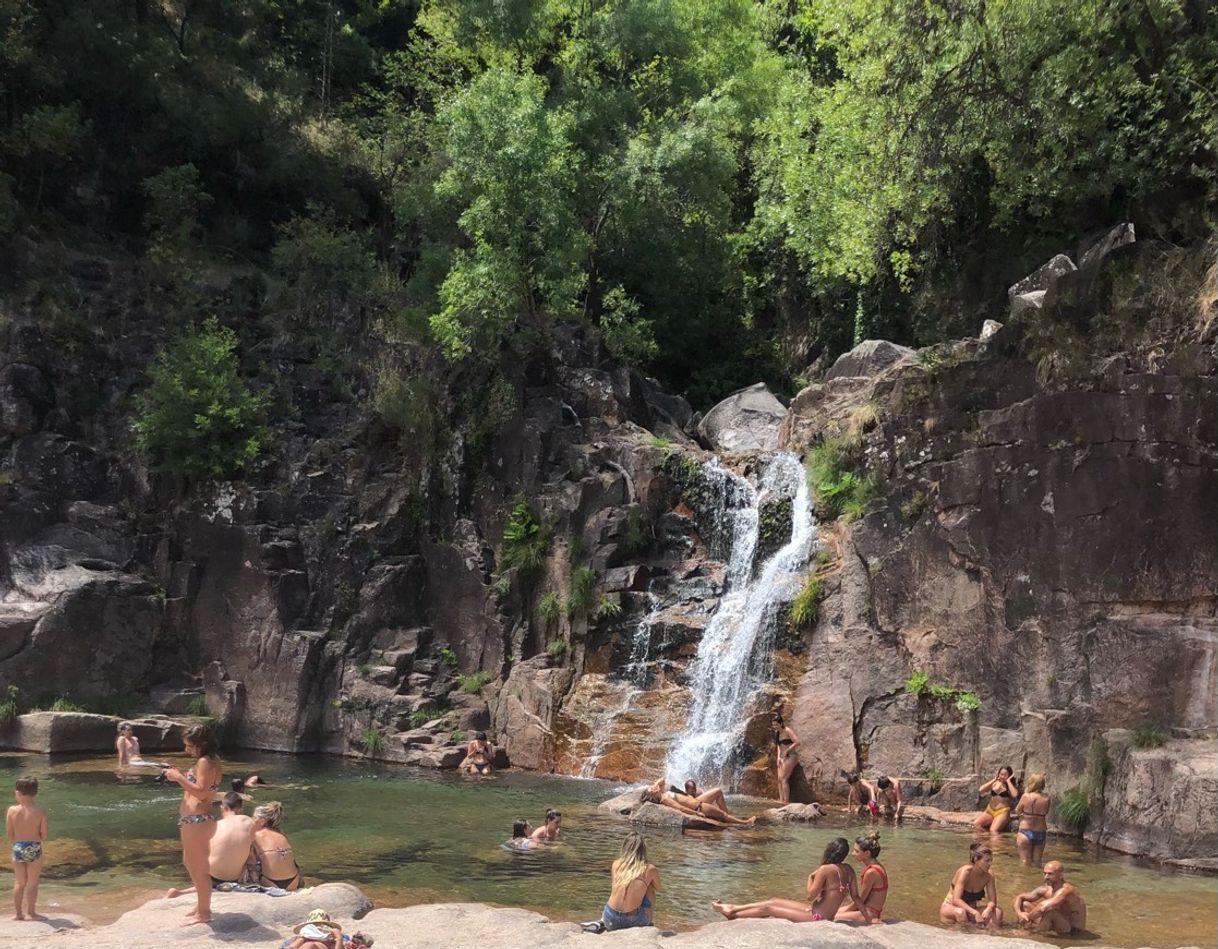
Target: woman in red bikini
828	886
873	881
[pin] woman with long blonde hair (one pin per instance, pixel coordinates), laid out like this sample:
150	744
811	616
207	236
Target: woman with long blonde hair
635	883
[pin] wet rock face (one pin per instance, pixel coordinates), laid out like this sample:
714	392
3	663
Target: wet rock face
1042	549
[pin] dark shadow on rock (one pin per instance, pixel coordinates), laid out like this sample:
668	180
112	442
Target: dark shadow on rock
241	923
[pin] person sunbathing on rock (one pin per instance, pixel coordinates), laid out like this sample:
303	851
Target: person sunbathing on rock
658	794
828	886
230	847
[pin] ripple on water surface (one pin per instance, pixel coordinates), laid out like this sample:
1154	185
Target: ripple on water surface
409	836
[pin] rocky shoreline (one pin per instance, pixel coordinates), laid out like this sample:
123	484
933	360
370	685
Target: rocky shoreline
253	920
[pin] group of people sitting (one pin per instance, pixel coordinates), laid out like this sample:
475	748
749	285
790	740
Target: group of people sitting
231	848
836	892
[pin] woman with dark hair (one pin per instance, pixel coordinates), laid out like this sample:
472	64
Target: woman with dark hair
196	822
828	886
971	884
550	828
873	881
1003	794
478	753
633	887
658	794
277	865
786	741
521	835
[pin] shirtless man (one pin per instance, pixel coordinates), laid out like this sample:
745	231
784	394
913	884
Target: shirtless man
693	797
477	755
860	795
1054	907
888	796
230	847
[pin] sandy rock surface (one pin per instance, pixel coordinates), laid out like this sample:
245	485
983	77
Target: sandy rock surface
254	920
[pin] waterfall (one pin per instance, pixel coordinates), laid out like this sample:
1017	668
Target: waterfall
733	659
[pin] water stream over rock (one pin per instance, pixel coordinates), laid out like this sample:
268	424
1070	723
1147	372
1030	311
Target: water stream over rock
733	658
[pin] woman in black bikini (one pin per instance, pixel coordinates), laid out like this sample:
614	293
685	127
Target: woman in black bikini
276	862
971	884
786	741
828	886
477	755
196	822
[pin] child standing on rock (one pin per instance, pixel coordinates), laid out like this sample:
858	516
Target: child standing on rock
26	827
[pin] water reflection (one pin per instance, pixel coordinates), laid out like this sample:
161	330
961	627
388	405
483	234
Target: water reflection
408	836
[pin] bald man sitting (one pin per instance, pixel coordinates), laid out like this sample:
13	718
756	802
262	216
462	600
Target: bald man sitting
1055	907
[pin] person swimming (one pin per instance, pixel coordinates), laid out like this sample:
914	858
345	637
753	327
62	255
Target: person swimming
522	836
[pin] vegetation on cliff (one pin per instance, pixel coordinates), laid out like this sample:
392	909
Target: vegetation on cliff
727	188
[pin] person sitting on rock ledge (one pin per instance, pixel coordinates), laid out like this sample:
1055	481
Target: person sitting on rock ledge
1056	906
828	886
478	753
657	794
633	889
1003	793
549	830
230	848
277	865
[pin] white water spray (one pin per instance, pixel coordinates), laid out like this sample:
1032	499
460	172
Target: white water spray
733	660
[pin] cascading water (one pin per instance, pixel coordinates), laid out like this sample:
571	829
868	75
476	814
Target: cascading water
733	659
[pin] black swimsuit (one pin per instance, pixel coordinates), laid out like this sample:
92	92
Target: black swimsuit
972	897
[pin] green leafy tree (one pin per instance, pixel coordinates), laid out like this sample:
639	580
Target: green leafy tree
198	419
176	200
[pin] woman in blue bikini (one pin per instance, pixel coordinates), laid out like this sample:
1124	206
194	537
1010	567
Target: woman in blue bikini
635	884
196	821
1031	811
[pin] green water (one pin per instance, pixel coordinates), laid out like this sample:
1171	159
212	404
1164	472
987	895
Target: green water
409	836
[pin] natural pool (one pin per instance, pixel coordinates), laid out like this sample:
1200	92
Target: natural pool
408	836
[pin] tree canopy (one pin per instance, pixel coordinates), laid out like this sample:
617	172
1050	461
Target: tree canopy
727	188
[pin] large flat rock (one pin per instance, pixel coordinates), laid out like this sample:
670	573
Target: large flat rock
244	920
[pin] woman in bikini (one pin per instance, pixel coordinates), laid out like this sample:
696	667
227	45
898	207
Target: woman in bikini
828	886
276	862
1031	812
477	755
873	881
786	741
971	884
1003	793
196	821
635	882
658	794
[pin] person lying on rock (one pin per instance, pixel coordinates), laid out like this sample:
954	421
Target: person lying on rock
971	884
828	886
888	797
318	931
1056	906
478	752
550	829
658	794
693	797
633	887
229	851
